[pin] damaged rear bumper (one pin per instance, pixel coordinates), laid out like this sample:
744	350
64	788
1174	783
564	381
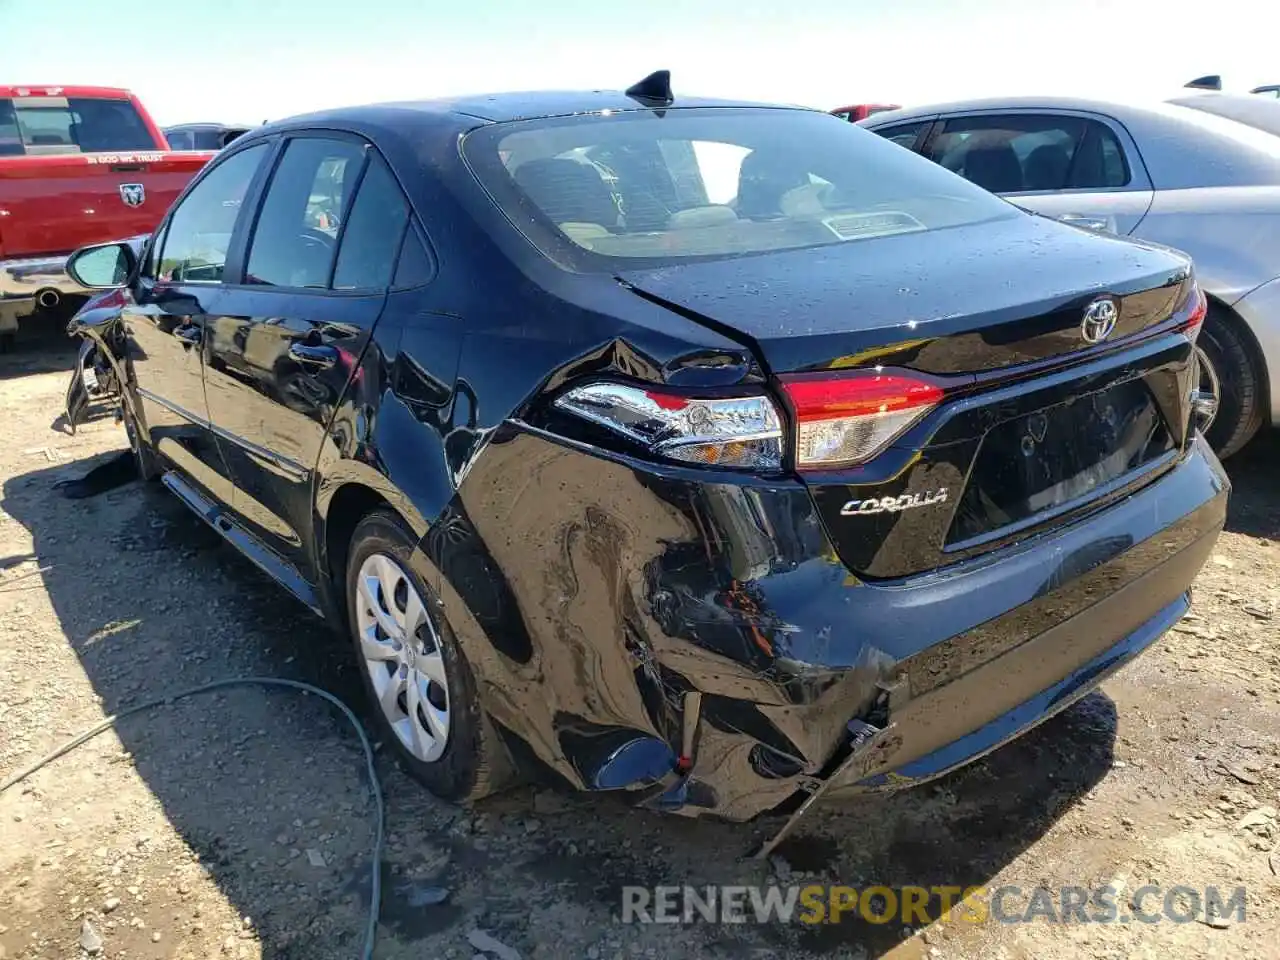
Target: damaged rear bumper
638	628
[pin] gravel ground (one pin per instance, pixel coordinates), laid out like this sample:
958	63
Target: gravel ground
240	825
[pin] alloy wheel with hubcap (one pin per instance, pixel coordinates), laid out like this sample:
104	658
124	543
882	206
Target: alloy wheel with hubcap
402	655
420	686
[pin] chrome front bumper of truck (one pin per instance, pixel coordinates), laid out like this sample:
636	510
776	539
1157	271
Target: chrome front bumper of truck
30	285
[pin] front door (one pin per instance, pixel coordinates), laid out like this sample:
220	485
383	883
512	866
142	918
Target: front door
290	335
166	319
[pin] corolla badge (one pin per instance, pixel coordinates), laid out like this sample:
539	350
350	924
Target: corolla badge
908	501
1099	320
133	194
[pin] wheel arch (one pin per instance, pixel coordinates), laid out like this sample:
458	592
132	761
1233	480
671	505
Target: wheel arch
1229	314
349	492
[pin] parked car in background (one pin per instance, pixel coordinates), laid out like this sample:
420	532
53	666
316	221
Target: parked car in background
861	111
78	165
1271	91
1182	177
1257	112
853	475
202	136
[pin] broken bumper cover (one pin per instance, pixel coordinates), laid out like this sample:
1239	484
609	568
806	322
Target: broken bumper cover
617	599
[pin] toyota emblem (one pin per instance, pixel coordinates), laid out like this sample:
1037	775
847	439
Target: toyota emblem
1099	320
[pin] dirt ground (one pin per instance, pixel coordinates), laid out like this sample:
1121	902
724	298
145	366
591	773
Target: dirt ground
239	825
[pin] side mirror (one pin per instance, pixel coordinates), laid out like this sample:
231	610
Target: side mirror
103	266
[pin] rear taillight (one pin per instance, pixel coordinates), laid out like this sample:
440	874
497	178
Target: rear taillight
1199	308
736	432
847	418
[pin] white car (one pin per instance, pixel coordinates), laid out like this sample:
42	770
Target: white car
1183	177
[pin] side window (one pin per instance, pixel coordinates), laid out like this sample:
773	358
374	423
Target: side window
1014	153
845	115
904	134
371	237
415	266
180	140
199	232
297	230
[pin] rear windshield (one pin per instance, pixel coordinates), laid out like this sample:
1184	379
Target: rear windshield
712	183
44	125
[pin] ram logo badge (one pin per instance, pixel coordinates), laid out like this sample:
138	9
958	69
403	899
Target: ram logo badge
908	501
133	194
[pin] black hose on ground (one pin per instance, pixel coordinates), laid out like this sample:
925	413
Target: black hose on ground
375	866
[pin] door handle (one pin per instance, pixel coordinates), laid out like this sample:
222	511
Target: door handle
1089	223
188	333
319	356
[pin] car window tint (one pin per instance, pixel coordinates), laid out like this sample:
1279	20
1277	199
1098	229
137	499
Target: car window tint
415	266
903	134
1011	153
180	140
371	238
199	233
296	233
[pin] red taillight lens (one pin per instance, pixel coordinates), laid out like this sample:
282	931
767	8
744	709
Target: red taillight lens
847	418
1199	309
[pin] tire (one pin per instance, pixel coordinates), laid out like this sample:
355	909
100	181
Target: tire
1241	388
144	457
465	761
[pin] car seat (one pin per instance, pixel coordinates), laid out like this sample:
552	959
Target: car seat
995	168
567	191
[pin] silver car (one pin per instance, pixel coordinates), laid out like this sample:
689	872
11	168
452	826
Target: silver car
1189	179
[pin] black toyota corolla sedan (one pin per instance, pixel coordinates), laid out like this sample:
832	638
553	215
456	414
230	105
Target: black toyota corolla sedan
708	451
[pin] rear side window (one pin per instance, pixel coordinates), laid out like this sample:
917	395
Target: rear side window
296	235
50	125
180	139
371	237
1009	153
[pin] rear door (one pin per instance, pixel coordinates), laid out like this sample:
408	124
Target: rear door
290	334
1079	168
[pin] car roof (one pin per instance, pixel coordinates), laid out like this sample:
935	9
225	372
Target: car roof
1253	110
1007	103
504	108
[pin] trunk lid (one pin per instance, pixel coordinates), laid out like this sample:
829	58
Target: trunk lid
56	203
1036	425
959	300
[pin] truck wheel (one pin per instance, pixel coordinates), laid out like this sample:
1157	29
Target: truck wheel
1228	358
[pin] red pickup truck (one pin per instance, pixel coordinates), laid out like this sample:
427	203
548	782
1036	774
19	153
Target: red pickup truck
78	165
860	111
